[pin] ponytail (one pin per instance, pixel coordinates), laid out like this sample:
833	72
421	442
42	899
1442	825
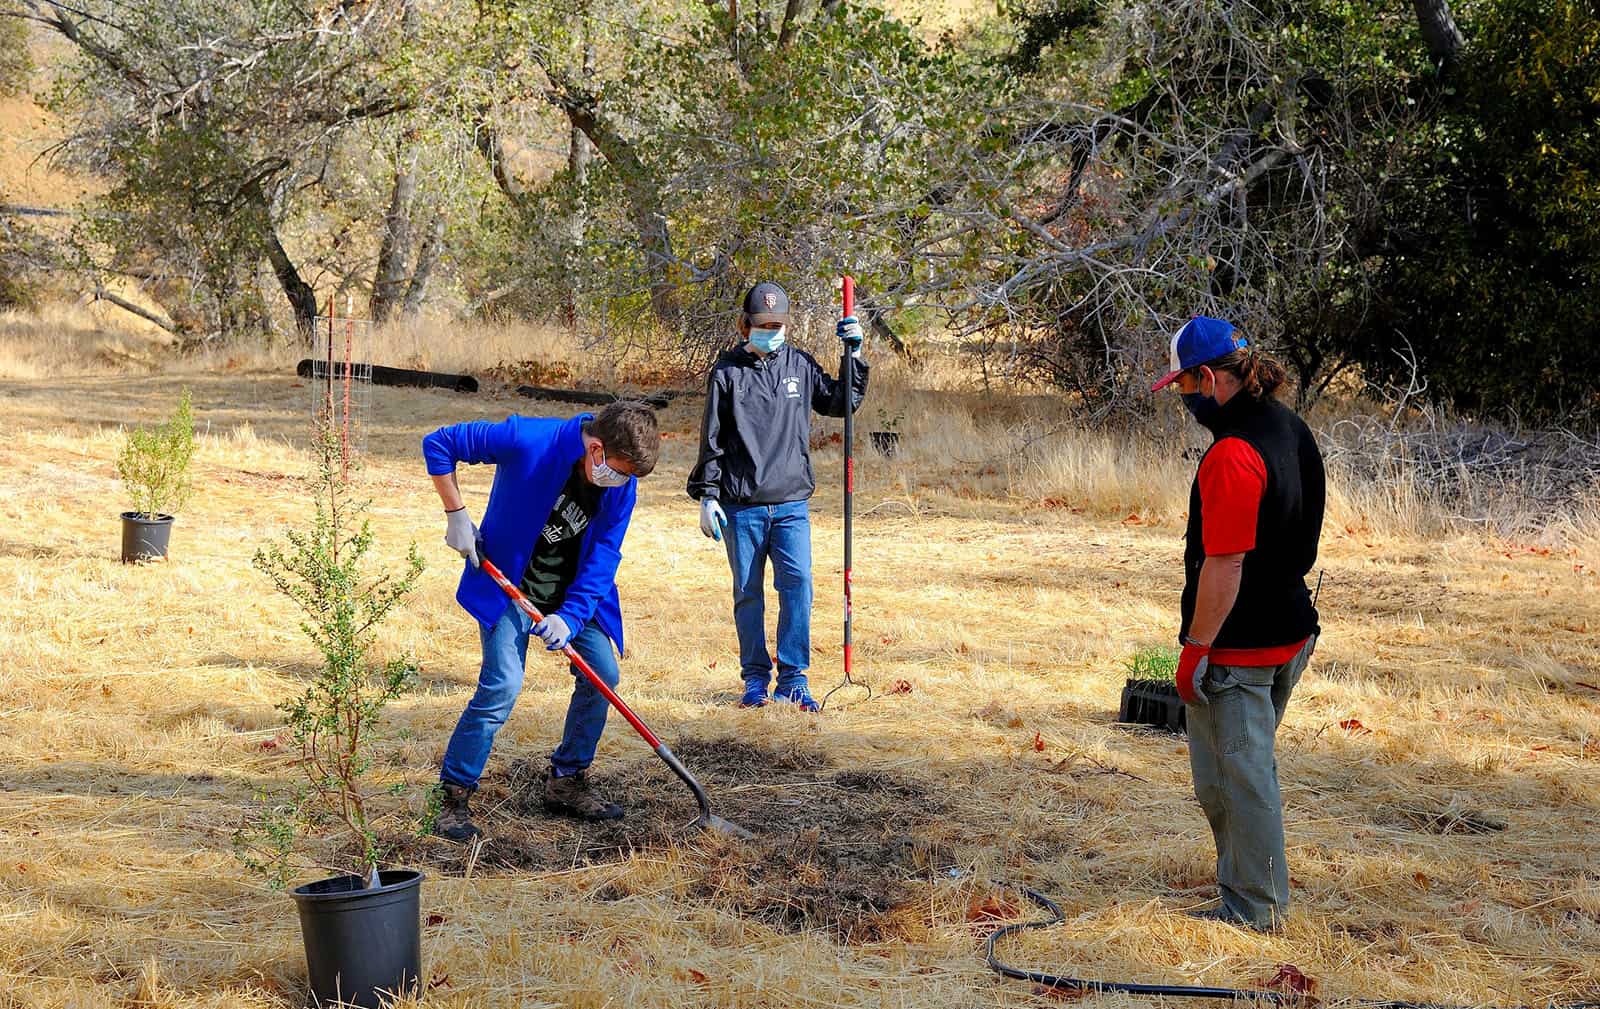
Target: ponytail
1260	375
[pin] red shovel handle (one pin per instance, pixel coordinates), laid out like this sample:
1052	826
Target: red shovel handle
571	654
849	295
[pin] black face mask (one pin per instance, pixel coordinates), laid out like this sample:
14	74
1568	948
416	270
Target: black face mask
1203	408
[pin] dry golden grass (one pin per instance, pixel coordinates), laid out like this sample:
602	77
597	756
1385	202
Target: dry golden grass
75	340
136	721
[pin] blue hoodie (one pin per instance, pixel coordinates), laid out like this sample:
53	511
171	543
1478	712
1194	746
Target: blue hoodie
533	457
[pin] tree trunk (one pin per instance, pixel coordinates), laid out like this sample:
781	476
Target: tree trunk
101	294
874	318
302	299
791	17
427	259
1439	30
580	152
394	252
487	140
639	189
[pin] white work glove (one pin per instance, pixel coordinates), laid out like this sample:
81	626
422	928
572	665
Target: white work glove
712	518
850	334
461	534
554	632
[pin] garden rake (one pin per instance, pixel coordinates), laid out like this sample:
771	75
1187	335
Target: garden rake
847	377
707	820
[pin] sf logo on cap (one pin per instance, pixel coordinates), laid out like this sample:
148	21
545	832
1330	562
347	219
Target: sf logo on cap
771	299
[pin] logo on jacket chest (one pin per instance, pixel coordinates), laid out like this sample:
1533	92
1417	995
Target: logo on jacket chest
791	387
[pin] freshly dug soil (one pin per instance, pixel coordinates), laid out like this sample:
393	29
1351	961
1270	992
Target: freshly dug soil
839	849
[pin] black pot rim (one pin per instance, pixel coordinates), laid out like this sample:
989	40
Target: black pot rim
161	518
407	878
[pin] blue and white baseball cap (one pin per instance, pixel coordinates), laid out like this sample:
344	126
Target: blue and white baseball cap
1200	341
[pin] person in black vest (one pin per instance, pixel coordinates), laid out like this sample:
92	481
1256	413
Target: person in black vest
1249	623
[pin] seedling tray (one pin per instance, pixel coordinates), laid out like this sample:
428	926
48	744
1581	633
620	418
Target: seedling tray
1154	702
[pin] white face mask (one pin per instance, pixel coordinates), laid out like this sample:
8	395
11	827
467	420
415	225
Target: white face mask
602	475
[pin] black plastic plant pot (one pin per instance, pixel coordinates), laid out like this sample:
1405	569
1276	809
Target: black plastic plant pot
145	538
886	442
363	946
1154	702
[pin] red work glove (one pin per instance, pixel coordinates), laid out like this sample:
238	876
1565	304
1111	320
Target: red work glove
1193	664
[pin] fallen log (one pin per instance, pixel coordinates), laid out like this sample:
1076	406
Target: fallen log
657	400
380	375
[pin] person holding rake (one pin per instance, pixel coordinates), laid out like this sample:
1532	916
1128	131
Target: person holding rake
754	482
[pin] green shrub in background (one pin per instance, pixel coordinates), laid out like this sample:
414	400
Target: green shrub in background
154	464
1153	664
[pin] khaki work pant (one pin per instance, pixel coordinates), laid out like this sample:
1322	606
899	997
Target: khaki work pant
1236	780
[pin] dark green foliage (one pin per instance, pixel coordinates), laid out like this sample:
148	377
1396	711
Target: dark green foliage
1044	23
1061	184
1494	275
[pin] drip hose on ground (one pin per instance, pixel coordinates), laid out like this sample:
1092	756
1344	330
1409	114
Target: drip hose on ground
1057	916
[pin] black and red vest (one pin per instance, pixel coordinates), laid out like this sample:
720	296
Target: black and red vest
1274	606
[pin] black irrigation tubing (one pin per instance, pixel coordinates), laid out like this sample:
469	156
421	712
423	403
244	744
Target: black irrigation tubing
1057	916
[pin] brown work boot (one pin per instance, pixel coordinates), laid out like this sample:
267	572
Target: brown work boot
573	795
454	822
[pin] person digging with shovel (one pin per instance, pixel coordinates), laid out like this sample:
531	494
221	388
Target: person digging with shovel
563	494
1249	624
754	481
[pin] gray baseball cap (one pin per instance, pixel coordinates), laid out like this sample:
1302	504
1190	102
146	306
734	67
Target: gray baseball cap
766	303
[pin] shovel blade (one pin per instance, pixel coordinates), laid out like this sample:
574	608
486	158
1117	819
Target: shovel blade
711	821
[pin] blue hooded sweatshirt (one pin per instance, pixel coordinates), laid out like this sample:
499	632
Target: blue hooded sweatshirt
533	457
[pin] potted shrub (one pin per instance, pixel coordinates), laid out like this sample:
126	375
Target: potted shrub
154	467
362	926
887	441
1150	697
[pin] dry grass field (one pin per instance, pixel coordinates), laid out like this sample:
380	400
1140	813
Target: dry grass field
1455	692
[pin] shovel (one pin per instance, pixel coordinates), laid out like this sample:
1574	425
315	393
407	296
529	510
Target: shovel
707	820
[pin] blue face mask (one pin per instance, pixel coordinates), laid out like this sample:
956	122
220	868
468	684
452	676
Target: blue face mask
1203	408
766	340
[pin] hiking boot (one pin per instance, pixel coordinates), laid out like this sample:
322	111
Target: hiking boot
454	822
573	795
755	695
800	695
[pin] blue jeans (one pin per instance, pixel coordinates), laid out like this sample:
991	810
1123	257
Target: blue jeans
505	656
783	533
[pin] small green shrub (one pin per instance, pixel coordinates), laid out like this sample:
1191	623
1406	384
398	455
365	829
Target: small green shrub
154	464
1159	663
332	724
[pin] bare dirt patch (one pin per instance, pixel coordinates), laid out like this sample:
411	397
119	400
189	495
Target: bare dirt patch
835	848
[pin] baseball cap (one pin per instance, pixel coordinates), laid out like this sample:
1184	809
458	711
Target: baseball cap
1200	341
767	303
